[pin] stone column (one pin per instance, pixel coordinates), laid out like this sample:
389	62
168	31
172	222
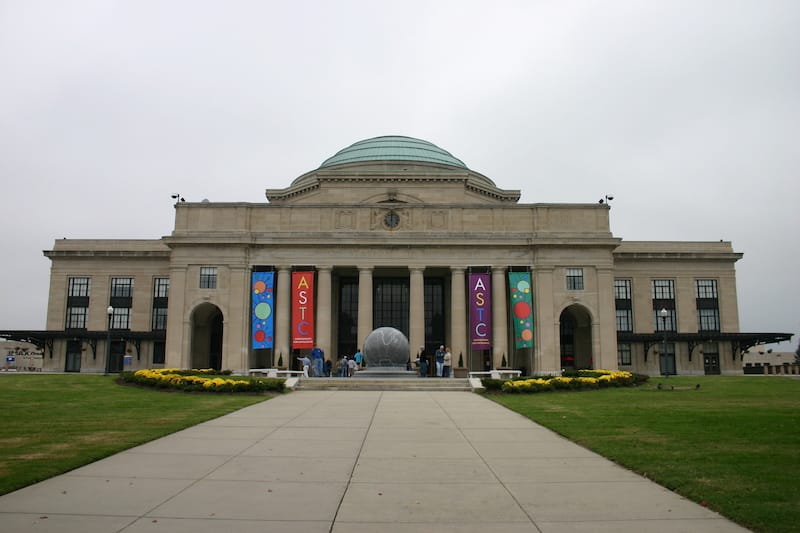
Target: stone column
324	310
499	317
283	317
178	321
416	309
458	316
547	359
364	304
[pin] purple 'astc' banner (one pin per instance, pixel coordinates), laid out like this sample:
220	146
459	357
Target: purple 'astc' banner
480	311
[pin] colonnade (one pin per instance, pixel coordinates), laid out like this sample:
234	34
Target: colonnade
459	338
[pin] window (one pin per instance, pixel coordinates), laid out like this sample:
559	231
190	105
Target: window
160	318
79	286
624	354
77	303
161	288
160	303
575	279
664	323
708	319
76	318
622	289
121	287
208	277
121	319
706	288
663	289
623	304
624	320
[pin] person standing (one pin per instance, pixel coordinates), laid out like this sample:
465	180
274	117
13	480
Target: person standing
422	362
448	362
359	359
306	362
439	361
351	367
317	356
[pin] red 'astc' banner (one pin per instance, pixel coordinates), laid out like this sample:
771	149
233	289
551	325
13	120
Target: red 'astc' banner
302	309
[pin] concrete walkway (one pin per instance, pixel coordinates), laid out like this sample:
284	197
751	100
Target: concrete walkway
338	461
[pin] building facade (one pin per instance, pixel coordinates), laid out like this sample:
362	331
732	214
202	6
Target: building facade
394	231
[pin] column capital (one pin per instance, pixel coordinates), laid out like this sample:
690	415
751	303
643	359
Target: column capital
366	268
458	269
324	268
416	269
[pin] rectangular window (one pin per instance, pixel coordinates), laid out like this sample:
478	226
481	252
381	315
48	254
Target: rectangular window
663	289
708	319
76	318
160	318
664	323
208	277
79	286
624	354
706	288
121	319
161	288
624	320
622	289
77	302
575	279
121	287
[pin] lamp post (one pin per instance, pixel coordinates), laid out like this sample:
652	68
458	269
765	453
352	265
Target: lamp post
110	313
664	314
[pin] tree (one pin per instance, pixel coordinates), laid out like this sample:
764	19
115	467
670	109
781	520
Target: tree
797	354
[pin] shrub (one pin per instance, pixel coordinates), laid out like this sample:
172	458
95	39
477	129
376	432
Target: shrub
201	380
573	380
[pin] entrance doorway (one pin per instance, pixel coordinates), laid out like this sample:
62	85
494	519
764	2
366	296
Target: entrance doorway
207	334
576	338
73	356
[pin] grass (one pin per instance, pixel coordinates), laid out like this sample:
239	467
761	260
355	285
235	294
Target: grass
731	444
53	423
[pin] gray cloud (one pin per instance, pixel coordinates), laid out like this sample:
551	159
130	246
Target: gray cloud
687	112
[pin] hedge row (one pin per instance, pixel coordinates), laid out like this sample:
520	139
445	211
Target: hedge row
201	380
577	380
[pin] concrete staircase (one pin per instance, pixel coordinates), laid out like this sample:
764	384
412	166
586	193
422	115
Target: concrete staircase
384	384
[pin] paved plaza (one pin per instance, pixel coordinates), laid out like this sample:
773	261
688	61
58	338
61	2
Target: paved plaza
357	461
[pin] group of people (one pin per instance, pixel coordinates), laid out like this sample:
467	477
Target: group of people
442	358
348	366
318	366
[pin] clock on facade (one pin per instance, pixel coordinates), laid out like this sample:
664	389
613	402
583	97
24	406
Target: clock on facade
391	220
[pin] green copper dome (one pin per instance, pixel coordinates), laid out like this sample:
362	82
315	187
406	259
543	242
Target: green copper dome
393	148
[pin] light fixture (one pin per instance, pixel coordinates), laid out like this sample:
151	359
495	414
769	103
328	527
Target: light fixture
177	197
110	313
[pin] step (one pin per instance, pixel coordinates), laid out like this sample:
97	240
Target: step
387	384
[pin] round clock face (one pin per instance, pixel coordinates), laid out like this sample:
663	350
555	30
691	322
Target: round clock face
392	219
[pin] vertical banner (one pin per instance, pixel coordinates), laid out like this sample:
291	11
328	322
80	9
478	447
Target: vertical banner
303	309
520	298
480	311
263	302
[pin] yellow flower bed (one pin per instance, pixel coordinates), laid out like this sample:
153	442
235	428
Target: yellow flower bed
189	380
594	379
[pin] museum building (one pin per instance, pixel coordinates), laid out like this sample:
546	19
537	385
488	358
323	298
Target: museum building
393	231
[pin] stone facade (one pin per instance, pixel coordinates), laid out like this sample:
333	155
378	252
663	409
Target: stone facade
418	225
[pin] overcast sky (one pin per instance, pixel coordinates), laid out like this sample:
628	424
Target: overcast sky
687	112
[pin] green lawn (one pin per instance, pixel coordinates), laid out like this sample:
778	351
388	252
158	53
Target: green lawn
732	444
53	423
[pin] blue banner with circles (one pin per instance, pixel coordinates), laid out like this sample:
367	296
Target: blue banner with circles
263	302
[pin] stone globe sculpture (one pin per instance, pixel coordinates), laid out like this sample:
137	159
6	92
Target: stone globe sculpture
386	348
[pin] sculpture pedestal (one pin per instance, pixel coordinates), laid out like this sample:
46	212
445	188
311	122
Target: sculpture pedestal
385	372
